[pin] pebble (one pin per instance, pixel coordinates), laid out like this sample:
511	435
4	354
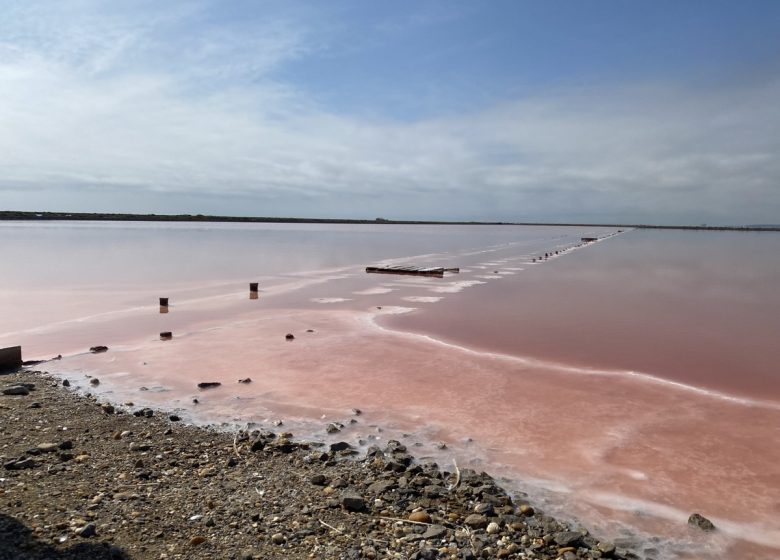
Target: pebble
476	521
88	530
420	517
493	528
196	540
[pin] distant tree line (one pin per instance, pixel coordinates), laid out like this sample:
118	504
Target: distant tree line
110	217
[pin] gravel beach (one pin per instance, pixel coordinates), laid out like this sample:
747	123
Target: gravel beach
83	479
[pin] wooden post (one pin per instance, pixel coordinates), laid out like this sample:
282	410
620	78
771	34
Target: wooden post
167	335
163	305
253	287
10	358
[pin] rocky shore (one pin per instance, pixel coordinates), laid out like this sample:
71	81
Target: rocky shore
87	480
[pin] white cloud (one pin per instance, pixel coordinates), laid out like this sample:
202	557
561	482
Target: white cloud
102	108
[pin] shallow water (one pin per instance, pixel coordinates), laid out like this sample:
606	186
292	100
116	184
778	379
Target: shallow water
623	383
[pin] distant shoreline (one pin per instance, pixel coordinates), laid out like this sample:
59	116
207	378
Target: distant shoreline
110	217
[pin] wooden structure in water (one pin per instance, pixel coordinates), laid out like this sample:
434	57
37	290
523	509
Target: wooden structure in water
437	272
589	239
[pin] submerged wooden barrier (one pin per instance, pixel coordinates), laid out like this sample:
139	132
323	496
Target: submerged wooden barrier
11	357
438	272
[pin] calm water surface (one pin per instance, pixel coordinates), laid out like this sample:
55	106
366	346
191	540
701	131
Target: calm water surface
624	383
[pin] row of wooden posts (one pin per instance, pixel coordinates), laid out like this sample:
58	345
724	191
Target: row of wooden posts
168	335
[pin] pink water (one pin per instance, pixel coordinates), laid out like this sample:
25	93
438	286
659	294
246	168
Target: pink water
623	384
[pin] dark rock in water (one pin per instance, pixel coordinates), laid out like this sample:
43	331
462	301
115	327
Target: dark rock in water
333	427
352	501
246	380
309	330
107	408
146	412
698	520
98	349
567	538
339	446
94	381
357	411
20	390
208	384
65	383
174	418
289	336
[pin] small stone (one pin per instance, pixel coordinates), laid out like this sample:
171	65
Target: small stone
319	480
94	381
485	508
88	530
245	380
289	336
65	383
527	510
34	405
208	384
65	445
47	447
231	462
435	532
698	520
195	541
277	538
107	408
420	517
606	548
333	428
174	418
357	411
476	521
98	349
493	528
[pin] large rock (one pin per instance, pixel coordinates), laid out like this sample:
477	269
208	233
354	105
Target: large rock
698	520
567	538
476	521
352	501
20	390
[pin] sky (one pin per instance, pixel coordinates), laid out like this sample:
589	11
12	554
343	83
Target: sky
620	111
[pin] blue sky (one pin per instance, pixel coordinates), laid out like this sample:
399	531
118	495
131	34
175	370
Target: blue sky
661	112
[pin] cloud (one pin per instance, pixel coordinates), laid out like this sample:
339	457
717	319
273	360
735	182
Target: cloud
105	111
